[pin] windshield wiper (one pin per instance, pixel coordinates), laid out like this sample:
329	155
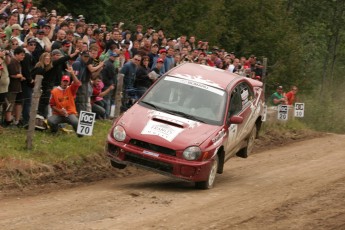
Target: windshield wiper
185	115
152	105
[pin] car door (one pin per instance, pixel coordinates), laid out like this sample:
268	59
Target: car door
240	104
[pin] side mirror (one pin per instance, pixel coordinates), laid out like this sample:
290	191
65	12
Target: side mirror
236	120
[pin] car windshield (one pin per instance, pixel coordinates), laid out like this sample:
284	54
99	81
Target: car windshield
187	98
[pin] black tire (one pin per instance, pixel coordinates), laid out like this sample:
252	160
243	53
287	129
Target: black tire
251	140
244	153
117	165
209	183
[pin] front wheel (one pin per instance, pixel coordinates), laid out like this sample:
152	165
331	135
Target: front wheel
117	165
209	183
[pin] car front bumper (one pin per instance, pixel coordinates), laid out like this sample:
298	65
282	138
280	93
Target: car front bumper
164	164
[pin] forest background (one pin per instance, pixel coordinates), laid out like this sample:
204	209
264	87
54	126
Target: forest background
302	40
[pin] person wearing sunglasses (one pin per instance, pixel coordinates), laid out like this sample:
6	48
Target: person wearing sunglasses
129	70
16	34
27	66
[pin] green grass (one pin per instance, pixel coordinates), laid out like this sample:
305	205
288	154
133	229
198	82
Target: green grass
290	125
49	148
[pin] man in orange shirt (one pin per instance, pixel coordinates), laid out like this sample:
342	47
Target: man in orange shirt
62	102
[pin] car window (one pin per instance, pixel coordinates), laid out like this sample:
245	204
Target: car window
235	102
190	97
246	93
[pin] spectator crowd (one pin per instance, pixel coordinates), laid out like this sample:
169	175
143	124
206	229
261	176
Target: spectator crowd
64	47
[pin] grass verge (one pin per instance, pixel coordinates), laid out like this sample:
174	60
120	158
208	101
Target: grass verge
50	148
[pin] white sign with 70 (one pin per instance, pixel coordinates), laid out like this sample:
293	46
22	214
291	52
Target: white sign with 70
86	123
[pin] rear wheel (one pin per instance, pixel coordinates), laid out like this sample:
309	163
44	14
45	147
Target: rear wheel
250	144
251	140
211	176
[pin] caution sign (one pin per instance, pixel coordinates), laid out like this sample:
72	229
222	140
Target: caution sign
299	109
283	112
86	122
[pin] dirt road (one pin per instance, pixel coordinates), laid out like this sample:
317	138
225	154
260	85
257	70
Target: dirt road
298	186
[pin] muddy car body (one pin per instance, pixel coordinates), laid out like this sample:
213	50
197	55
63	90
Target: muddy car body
189	123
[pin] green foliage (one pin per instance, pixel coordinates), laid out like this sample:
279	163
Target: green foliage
326	113
94	11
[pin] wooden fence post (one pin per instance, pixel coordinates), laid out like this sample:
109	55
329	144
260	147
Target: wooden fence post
33	111
118	95
264	70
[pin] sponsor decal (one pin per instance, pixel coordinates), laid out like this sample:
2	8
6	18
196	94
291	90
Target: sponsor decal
218	137
197	82
150	153
164	131
232	132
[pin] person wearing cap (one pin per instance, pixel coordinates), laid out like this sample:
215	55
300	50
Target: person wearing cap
65	47
129	70
59	63
48	34
80	67
16	32
14	11
278	98
32	31
29	19
153	55
40	46
162	55
63	104
27	66
81	20
48	31
109	78
159	66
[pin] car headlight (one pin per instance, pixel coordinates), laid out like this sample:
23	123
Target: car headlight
119	133
192	153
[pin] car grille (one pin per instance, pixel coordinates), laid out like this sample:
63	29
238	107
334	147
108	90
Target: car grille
158	166
155	148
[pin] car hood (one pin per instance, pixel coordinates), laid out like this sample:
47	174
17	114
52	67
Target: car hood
165	129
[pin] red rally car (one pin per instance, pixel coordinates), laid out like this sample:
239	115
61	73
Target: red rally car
189	123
